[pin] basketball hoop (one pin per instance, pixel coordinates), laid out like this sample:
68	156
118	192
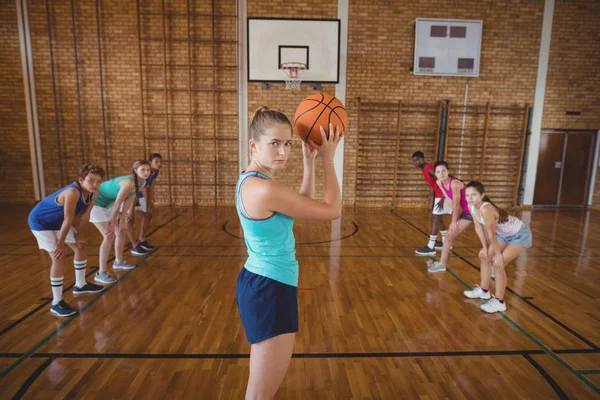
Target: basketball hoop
293	71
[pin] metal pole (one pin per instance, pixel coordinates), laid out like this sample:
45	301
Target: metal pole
171	164
214	67
58	142
102	86
141	78
396	153
190	107
77	82
486	124
525	131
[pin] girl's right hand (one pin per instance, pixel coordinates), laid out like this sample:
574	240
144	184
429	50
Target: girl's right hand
483	253
329	144
112	224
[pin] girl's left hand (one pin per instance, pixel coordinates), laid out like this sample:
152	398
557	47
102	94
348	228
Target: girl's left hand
453	228
309	152
498	261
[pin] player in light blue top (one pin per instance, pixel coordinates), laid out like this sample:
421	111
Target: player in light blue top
266	291
115	195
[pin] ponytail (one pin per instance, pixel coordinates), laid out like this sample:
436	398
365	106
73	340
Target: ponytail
502	214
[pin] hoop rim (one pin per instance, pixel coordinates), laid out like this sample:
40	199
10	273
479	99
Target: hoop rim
292	65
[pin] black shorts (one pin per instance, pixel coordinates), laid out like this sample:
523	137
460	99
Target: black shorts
466	217
268	308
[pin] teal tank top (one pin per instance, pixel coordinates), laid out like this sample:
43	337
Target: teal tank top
110	189
270	242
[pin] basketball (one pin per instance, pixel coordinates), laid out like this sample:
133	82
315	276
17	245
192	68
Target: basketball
318	110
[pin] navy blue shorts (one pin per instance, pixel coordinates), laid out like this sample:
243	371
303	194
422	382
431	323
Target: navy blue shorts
268	308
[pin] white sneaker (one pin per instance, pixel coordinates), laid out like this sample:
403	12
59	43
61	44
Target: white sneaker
493	306
436	267
477	293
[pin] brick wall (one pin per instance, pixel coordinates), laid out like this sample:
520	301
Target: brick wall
277	97
380	53
573	80
116	138
15	162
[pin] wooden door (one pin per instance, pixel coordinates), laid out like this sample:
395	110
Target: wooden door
547	182
576	169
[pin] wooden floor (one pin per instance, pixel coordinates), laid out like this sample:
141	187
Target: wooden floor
373	323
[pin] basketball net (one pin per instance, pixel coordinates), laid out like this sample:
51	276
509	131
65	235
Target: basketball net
293	72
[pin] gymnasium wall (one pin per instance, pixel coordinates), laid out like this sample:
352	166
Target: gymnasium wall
380	52
277	97
70	109
380	56
15	163
574	74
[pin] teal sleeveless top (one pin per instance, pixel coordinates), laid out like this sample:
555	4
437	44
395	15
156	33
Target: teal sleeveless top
270	242
110	189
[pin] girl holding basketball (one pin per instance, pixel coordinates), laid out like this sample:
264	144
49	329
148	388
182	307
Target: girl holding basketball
454	192
503	237
267	286
107	212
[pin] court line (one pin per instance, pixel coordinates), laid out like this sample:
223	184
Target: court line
541	311
473	353
455	255
224	229
23	389
92	271
517	295
557	389
64	324
534	340
308	245
589	371
45	340
41	306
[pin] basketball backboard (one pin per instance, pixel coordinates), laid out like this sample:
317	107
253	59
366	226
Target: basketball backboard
273	41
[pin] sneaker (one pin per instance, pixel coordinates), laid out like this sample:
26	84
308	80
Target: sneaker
104	278
425	251
145	245
477	293
62	309
493	306
437	267
88	288
439	245
138	250
123	265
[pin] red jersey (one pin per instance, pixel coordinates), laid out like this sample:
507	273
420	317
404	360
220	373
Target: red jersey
432	180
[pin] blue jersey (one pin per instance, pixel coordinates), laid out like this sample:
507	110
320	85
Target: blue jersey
270	242
149	182
48	214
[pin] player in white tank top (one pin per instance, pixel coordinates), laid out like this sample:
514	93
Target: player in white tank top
503	237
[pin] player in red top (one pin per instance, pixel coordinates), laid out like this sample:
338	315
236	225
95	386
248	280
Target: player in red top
439	207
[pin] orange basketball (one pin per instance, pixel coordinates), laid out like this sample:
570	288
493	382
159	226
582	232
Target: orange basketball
318	110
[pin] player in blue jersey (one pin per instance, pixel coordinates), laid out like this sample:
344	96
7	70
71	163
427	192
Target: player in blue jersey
141	246
267	286
53	221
